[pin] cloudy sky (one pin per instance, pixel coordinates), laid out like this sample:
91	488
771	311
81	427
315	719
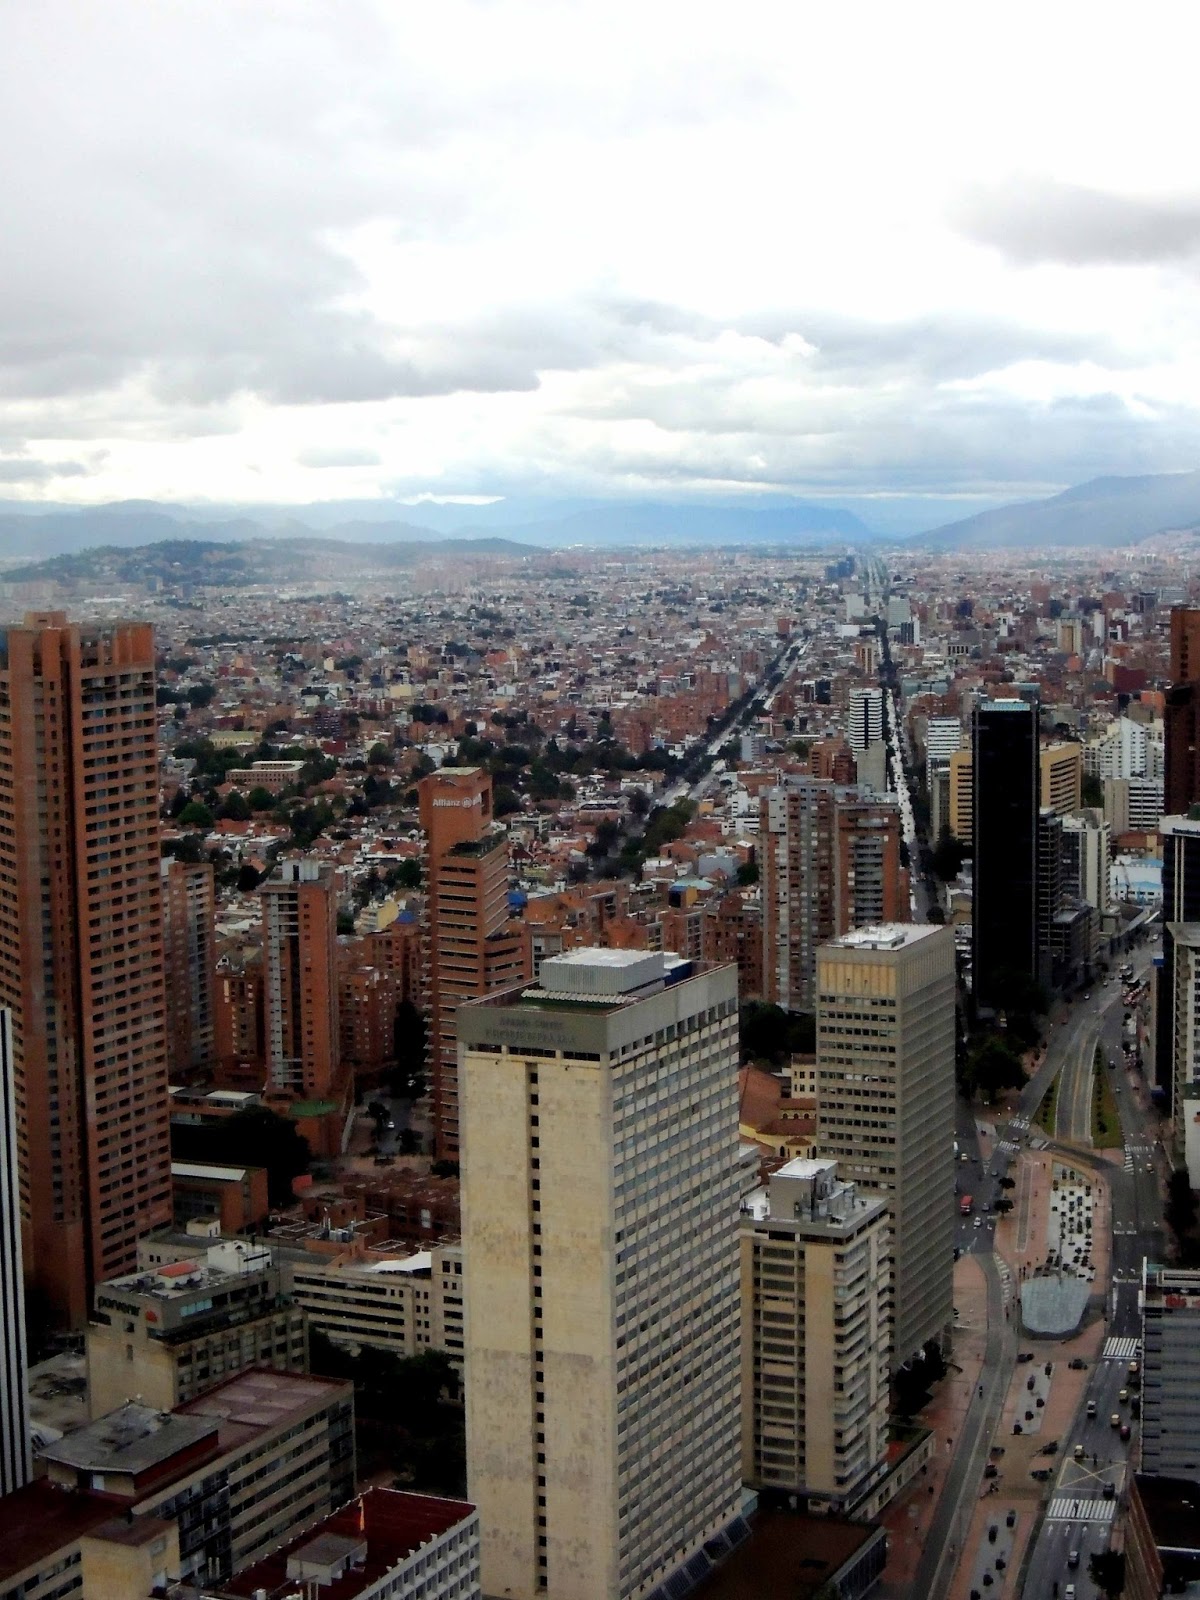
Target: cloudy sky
295	250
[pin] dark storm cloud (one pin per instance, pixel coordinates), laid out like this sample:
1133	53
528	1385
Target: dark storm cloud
1032	220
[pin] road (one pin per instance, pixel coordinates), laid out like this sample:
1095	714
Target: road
1136	1212
785	662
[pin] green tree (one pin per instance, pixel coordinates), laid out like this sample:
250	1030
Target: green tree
248	878
1092	790
235	807
379	755
195	815
948	856
747	874
1106	1569
256	1137
260	799
992	1067
505	801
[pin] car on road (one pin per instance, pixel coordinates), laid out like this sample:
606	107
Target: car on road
1124	1430
979	1222
1115	1420
1073	1559
1123	1395
1079	1452
1091	1408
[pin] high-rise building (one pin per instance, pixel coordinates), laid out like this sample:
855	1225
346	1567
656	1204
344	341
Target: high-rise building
871	882
1181	714
1133	805
300	992
1170	1431
1184	975
472	945
1180	838
1185	644
864	718
816	1330
962	795
1005	909
885	1103
943	739
189	939
1061	786
601	1189
830	862
82	937
15	1464
1085	839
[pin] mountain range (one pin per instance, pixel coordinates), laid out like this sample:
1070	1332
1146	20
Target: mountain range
1105	512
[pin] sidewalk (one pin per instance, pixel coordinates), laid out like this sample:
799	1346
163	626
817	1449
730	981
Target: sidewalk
907	1519
1016	1489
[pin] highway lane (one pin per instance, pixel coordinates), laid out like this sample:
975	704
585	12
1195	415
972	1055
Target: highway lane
1079	1511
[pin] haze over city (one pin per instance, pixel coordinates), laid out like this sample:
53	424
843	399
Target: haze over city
309	252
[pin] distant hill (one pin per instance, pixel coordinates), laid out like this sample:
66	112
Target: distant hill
1106	512
175	562
28	531
619	522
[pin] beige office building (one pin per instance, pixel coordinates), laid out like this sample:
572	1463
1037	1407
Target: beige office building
402	1303
885	1103
816	1296
1061	777
166	1334
600	1195
962	795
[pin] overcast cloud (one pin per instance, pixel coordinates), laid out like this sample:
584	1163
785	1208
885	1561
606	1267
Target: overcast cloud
331	248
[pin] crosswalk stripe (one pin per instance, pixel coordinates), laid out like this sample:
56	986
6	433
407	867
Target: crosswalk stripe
1066	1508
1120	1349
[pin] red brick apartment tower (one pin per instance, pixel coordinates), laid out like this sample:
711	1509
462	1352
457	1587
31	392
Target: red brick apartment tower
300	990
81	948
189	910
471	946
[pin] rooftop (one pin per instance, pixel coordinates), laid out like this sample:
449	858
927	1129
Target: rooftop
886	936
132	1439
257	1399
42	1518
389	1523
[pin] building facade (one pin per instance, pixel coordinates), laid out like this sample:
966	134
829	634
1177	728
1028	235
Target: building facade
1005	871
472	946
830	862
189	939
601	1191
816	1299
1170	1431
1180	837
81	927
885	1104
15	1465
300	990
404	1304
166	1334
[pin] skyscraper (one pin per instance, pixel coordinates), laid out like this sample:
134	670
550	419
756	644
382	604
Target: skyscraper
816	1330
1180	905
864	718
15	1466
830	862
601	1190
300	989
1005	910
472	946
885	1103
82	940
189	939
1181	714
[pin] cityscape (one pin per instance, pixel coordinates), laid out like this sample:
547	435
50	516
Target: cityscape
599	808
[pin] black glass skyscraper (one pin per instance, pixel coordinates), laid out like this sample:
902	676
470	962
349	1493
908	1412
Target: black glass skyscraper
1005	912
1181	903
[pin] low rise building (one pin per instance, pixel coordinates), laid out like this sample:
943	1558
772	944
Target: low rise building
404	1304
232	1475
174	1330
385	1545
